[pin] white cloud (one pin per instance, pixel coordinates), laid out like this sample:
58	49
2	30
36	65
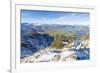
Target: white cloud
60	20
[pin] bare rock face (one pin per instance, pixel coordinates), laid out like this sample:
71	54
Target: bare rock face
56	58
85	44
49	56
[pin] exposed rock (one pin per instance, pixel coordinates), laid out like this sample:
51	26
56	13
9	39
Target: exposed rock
85	44
48	55
56	58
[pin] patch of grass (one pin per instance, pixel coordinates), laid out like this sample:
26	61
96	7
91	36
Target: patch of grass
61	36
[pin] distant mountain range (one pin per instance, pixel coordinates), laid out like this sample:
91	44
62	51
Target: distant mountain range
54	27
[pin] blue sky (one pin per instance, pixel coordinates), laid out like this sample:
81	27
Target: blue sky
52	17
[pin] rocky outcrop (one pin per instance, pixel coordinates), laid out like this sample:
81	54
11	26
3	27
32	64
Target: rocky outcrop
48	55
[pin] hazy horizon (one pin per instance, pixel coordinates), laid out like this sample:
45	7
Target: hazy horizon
53	17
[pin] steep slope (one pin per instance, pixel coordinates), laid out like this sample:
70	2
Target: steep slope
32	40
